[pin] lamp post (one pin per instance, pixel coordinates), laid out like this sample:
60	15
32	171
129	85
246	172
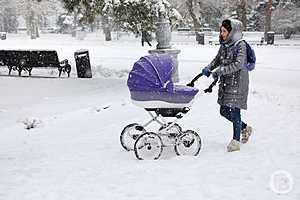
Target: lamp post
163	38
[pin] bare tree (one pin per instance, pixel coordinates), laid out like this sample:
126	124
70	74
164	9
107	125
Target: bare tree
191	4
30	10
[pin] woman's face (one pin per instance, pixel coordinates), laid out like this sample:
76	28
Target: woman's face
224	33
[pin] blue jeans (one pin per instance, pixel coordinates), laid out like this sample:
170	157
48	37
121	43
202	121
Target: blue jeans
234	115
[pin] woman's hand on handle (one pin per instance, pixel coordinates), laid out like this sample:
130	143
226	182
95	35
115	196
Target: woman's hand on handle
206	71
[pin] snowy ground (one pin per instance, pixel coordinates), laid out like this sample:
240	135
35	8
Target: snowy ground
74	152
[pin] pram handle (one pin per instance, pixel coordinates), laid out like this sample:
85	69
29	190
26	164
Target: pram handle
207	90
192	83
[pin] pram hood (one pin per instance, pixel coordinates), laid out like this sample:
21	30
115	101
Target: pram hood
152	73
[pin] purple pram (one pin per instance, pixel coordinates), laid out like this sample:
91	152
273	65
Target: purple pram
150	84
151	87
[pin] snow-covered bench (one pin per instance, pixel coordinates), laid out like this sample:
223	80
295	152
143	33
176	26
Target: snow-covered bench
27	59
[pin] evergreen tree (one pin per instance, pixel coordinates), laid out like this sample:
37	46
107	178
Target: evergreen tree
86	11
133	16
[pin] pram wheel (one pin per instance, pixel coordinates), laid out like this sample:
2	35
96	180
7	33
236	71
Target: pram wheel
130	134
188	143
148	146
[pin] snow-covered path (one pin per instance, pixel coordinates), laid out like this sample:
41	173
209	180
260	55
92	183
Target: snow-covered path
75	152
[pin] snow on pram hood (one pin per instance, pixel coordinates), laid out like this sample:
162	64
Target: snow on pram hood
152	73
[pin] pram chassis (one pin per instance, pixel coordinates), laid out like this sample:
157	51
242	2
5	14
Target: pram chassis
168	134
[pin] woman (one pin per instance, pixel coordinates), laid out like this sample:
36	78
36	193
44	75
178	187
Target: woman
228	66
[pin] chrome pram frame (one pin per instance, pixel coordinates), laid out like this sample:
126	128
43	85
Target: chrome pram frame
160	113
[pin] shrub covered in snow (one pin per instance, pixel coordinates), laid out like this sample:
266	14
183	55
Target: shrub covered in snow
30	123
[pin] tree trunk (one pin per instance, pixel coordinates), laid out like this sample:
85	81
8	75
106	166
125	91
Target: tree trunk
106	28
75	22
31	21
27	25
242	13
28	17
32	25
92	27
37	31
268	18
190	5
5	23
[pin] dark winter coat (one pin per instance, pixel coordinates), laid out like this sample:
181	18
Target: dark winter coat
229	65
146	36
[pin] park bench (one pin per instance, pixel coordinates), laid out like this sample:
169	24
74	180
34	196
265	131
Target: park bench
26	60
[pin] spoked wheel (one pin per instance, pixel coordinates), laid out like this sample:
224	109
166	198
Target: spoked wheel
188	143
130	134
148	146
175	129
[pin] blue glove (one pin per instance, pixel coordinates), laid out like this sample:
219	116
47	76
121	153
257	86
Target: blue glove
215	75
206	71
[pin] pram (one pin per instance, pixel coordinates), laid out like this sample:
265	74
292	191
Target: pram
151	87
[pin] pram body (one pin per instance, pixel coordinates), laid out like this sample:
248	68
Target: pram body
151	87
150	84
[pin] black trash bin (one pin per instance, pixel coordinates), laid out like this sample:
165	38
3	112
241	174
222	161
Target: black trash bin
270	37
200	37
83	65
3	36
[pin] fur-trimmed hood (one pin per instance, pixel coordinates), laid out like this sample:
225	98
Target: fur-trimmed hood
235	34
